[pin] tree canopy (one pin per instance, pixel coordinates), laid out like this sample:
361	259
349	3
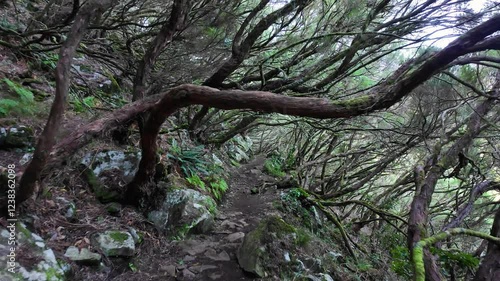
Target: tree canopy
385	109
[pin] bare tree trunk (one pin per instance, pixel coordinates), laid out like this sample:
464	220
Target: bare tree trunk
489	270
47	139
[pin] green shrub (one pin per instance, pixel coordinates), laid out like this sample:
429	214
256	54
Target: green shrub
455	258
218	188
303	237
196	181
274	167
400	263
191	161
84	104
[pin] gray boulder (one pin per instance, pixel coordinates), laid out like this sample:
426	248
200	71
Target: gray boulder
185	211
259	246
126	162
106	171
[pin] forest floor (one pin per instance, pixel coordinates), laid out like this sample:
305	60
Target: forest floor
209	256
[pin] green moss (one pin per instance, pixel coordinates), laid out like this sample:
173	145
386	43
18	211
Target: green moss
274	167
279	226
118	236
23	230
182	231
355	102
101	191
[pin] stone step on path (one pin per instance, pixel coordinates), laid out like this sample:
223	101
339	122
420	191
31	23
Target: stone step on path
213	256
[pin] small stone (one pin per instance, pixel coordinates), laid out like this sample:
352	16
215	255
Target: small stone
115	243
201	268
221	217
83	256
215	275
188	258
234	214
170	269
237	236
188	274
137	237
212	254
287	257
114	208
255	171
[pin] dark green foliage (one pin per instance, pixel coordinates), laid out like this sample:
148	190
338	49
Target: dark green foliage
303	237
197	182
455	258
218	188
84	104
292	203
448	259
191	161
400	263
214	185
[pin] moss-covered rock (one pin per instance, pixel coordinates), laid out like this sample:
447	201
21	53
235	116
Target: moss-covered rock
104	162
114	208
16	137
101	191
185	211
115	243
254	253
42	266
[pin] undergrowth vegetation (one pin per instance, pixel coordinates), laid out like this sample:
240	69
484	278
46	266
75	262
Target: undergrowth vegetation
21	100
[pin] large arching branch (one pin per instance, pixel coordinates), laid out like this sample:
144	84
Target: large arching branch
388	93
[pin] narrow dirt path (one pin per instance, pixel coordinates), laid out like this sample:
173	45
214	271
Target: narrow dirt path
213	256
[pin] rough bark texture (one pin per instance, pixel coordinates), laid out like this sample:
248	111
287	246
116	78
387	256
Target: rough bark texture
47	138
489	270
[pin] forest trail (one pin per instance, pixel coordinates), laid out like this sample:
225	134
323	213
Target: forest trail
212	256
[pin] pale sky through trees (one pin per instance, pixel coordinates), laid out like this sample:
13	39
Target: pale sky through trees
450	35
